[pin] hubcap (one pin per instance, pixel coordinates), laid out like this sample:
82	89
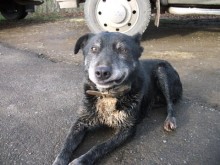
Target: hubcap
120	15
116	14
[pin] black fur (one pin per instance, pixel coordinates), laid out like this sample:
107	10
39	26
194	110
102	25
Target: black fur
126	88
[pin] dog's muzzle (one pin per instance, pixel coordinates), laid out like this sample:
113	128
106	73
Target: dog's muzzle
103	72
106	77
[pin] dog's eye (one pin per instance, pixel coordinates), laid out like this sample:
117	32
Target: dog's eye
94	49
122	50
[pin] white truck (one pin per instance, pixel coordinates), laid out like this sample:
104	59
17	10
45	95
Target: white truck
133	16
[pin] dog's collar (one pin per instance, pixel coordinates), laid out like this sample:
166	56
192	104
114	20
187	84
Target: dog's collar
114	92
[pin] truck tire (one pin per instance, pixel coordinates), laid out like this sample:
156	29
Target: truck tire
126	16
14	14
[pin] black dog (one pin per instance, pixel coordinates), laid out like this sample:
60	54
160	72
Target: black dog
118	91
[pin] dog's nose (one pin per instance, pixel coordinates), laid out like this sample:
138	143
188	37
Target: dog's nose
103	72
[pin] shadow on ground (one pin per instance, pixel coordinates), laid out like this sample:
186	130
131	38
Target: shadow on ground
180	27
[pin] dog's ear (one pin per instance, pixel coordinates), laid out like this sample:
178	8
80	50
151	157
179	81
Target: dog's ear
82	41
137	38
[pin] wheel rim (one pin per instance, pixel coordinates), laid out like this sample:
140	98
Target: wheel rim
121	16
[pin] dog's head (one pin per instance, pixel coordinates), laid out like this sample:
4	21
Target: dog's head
111	59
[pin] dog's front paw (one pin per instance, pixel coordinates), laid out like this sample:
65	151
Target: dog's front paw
76	162
170	124
81	161
59	162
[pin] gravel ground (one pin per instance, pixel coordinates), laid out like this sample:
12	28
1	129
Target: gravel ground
40	86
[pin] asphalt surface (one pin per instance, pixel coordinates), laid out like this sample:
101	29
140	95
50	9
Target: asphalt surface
40	92
36	96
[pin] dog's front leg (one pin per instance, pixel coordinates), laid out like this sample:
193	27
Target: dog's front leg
98	151
74	138
170	122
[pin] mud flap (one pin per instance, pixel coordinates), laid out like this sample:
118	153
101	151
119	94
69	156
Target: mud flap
157	18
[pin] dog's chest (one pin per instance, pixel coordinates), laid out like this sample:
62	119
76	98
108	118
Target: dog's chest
107	112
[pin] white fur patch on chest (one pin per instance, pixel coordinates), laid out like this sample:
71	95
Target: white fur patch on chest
107	112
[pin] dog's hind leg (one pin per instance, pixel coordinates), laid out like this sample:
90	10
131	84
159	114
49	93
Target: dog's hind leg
165	87
74	138
99	151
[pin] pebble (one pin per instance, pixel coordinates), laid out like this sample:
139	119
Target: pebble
164	141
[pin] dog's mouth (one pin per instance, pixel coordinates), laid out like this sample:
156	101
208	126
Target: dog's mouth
111	82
